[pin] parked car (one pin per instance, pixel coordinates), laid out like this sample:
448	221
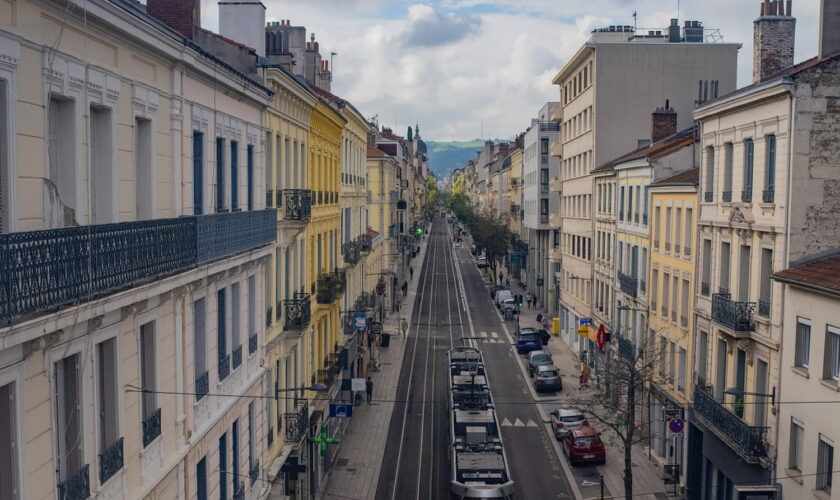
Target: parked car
527	342
538	358
584	445
482	262
501	296
547	378
564	420
494	289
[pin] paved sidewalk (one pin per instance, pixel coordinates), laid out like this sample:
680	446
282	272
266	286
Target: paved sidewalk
355	474
647	474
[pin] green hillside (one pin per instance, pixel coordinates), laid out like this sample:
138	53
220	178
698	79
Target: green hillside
446	156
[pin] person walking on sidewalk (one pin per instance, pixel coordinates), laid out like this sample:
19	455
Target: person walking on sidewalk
405	288
584	375
404	327
507	283
528	299
411	272
369	389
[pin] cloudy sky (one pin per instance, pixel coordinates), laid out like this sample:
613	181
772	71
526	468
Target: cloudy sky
458	67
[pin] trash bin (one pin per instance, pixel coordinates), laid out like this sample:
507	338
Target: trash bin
386	339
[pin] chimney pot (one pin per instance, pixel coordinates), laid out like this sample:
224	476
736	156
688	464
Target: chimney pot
773	40
180	15
664	123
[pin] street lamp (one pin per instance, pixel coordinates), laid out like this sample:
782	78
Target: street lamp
734	391
318	387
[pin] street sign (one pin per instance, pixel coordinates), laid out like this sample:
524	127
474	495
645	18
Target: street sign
360	321
676	425
324	440
376	328
602	337
358	384
338	410
540	282
583	331
585	321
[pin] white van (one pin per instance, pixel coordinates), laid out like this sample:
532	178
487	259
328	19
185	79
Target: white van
501	296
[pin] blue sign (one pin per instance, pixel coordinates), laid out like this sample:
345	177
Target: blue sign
585	321
676	425
516	258
360	322
338	410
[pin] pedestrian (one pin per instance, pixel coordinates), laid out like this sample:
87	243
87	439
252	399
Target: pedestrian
404	326
528	299
405	288
507	282
396	306
411	272
584	375
369	389
539	318
501	277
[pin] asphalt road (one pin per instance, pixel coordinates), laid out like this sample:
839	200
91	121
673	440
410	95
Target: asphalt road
453	306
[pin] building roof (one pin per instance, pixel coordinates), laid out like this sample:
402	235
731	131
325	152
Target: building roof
375	152
822	275
653	151
687	178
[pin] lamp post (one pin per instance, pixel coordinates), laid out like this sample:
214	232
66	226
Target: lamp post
318	387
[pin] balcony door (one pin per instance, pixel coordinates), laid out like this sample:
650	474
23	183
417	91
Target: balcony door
740	381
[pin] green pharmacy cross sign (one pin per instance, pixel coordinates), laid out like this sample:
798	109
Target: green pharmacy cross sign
324	440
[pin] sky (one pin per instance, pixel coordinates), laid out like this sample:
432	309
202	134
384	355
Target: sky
467	69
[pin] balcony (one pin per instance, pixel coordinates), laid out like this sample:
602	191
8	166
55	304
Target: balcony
764	308
252	344
705	288
327	288
297	421
627	349
341	278
352	252
298	204
736	316
254	472
768	196
628	284
44	270
202	386
111	461
549	127
544	188
151	428
365	243
326	377
236	357
77	486
298	311
239	492
726	196
750	442
708	196
543	218
223	366
746	196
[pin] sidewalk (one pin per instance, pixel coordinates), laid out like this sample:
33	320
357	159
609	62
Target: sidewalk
355	473
647	474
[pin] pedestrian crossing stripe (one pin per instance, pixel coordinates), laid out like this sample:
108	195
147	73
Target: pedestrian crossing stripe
518	423
484	334
506	423
494	334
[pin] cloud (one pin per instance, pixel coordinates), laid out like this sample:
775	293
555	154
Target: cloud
429	28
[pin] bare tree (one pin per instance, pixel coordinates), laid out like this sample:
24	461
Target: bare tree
616	401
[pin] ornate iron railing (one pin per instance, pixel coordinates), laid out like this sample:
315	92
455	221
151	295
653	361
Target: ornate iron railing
270	437
627	349
298	204
628	284
705	288
202	386
254	472
43	270
764	308
341	280
77	486
751	442
768	196
239	492
297	422
252	344
236	357
726	196
746	196
151	428
224	366
351	252
298	311
326	377
111	461
734	315
708	196
327	288
365	243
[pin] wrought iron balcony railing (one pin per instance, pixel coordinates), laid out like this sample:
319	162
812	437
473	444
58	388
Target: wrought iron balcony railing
365	243
224	366
628	284
750	442
151	428
746	196
239	492
297	204
736	316
111	461
327	288
236	357
351	252
627	349
764	308
341	280
43	270
298	311
708	196
202	386
726	196
77	486
297	422
252	344
326	377
768	196
705	288
254	472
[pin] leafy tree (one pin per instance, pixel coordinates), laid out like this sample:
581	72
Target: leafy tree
410	134
488	233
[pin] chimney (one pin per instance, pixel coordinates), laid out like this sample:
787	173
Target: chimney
829	28
243	21
180	15
664	123
773	38
674	31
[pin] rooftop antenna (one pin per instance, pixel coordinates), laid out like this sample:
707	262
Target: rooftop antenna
332	65
635	22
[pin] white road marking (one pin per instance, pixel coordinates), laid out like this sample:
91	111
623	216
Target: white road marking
519	423
506	423
531	423
483	334
494	335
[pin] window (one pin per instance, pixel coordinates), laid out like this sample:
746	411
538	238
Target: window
668	222
221	334
654	289
629	203
710	175
744	274
61	149
251	436
645	203
681	370
678	230
621	205
103	183
674	305
825	463
234	176
702	356
8	443
198	172
749	156
802	350
724	267
144	173
201	479
638	203
765	285
148	375
663	349
657	226
720	366
684	304
728	154
689	230
707	267
234	436
666	282
223	470
769	169
252	309
220	174
797	438
107	393
5	179
200	348
235	329
831	365
250	176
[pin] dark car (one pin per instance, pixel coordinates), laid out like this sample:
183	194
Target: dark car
494	289
547	378
538	358
584	445
527	342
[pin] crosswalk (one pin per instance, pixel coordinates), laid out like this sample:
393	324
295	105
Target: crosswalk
493	337
518	423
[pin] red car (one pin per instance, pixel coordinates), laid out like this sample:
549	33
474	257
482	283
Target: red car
584	445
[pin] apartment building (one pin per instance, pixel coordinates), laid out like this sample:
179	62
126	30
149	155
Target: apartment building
607	92
144	164
766	205
811	371
673	203
538	168
604	220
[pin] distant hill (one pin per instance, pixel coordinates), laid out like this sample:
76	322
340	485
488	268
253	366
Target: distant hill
446	156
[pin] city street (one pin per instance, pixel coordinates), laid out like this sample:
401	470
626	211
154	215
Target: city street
416	461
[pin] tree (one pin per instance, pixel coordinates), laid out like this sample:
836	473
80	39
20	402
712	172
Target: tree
617	400
431	190
489	234
410	134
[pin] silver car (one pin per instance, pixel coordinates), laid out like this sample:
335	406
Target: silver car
564	420
546	377
538	358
